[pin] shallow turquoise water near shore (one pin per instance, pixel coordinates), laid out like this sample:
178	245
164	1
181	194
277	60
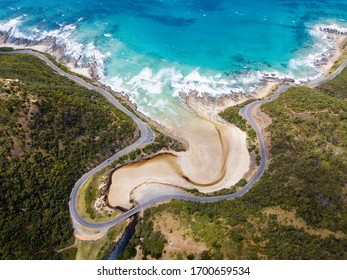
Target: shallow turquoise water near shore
155	49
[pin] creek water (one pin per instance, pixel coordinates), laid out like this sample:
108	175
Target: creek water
124	240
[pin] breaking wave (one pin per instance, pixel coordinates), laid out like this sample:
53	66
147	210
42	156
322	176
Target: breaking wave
144	85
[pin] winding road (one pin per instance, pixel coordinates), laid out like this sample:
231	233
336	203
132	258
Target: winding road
147	136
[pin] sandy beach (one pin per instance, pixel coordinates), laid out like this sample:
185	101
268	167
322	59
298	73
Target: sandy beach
217	157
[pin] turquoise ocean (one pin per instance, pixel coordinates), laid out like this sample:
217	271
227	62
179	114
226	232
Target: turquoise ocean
153	50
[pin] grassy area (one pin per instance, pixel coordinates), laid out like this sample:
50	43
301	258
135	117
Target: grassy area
233	116
90	191
84	202
6	49
99	249
51	132
69	254
340	60
297	210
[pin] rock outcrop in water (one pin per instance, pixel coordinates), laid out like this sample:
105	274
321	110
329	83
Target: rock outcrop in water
3	37
332	30
51	46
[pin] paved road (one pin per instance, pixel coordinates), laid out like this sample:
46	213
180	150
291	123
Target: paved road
146	134
146	137
319	81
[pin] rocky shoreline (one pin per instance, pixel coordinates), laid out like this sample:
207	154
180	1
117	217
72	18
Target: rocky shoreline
58	51
332	31
90	69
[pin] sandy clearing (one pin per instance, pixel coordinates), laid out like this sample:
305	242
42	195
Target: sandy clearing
290	218
179	237
90	236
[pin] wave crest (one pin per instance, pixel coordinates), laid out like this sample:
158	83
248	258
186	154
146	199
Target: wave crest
172	80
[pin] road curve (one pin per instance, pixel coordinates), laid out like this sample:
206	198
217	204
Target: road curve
146	134
321	80
146	137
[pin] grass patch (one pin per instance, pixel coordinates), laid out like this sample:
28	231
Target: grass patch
82	207
232	115
100	249
87	196
340	60
69	254
6	49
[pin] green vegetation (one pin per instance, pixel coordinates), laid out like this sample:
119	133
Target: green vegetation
6	49
342	58
150	241
309	152
89	197
90	191
298	208
226	191
51	132
162	142
65	68
69	254
233	116
99	249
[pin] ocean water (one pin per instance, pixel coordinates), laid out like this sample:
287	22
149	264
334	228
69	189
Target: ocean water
153	50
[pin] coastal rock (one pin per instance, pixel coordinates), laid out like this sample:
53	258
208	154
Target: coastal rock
3	37
53	47
47	41
271	77
19	41
332	30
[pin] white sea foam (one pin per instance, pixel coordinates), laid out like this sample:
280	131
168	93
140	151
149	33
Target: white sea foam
144	86
333	25
11	26
303	68
82	54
